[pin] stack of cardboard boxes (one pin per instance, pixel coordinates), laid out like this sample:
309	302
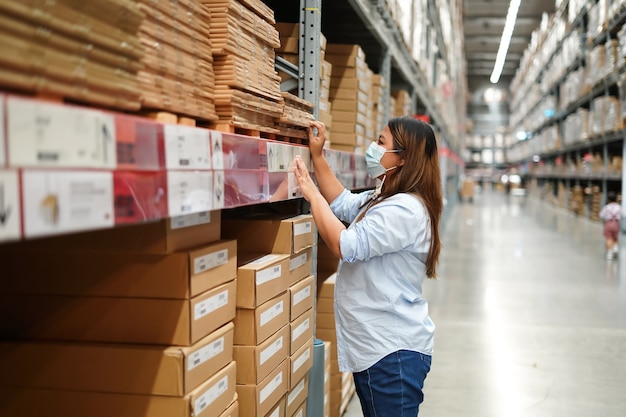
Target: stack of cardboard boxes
131	321
177	71
350	90
274	318
243	41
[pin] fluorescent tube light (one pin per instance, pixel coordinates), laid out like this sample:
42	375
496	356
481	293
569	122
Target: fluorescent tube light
505	41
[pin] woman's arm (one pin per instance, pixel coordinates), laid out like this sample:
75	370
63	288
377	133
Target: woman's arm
329	185
328	225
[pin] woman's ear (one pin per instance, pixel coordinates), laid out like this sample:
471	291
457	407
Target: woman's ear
401	162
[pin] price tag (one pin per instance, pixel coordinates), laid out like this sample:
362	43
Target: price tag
9	206
52	135
189	192
187	147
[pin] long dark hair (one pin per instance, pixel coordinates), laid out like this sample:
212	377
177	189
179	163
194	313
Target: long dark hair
420	176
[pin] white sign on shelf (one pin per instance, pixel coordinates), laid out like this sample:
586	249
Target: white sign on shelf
9	206
41	134
187	147
66	201
3	158
189	192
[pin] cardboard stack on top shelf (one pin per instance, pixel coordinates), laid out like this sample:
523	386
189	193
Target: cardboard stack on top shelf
177	74
88	52
133	321
596	203
378	89
341	383
296	117
274	319
350	87
402	105
247	87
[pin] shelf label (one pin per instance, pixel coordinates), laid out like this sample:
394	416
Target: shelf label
66	201
9	206
189	192
187	147
217	150
3	158
41	134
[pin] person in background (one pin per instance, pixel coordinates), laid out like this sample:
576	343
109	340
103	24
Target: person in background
611	214
384	331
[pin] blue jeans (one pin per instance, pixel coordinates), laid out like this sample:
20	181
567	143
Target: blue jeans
393	386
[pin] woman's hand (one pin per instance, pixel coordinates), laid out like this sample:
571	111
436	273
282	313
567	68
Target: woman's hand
307	186
316	142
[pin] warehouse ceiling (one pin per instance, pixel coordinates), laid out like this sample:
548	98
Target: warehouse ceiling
483	23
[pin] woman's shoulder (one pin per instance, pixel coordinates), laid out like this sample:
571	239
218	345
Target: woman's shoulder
408	201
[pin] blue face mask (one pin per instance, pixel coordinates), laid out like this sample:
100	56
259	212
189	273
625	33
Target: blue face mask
373	155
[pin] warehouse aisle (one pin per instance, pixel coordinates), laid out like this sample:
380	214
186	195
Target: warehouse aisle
531	317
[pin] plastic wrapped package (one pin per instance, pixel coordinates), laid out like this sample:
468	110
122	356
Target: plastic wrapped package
139	196
245	187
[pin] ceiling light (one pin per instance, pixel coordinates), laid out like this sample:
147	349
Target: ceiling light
505	41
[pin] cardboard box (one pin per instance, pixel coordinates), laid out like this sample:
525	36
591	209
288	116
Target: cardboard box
301	330
326	285
302	296
232	411
276	235
254	326
118	320
160	237
254	363
208	400
325	305
258	400
325	320
262	279
300	411
124	369
297	395
278	410
179	275
300	265
300	363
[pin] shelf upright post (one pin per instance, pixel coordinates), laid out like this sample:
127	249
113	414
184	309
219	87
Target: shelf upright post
623	223
310	31
385	72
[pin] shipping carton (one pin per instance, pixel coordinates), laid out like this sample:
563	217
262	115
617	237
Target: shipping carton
179	275
300	363
300	265
254	326
262	279
118	320
302	296
301	330
208	400
116	368
258	399
297	395
276	235
254	363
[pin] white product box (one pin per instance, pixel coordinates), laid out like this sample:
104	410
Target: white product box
189	192
41	134
187	147
66	201
10	211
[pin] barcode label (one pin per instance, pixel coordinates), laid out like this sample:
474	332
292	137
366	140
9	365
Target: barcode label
275	413
211	395
264	259
271	387
268	274
270	314
301	360
271	350
202	355
298	261
210	261
302	228
295	392
195	219
302	295
298	331
210	305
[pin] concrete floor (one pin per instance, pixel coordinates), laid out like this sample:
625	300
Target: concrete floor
531	317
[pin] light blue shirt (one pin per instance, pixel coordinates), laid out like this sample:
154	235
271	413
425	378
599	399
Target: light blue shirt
379	308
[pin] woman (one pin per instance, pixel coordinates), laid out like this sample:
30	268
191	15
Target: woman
384	332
